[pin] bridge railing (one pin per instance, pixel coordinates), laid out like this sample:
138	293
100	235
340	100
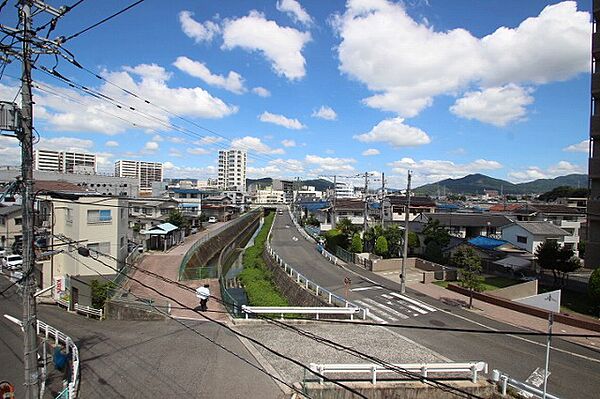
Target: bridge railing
299	310
451	370
504	381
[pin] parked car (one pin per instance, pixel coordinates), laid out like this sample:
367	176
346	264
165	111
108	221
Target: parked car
13	262
2	252
280	212
212	219
194	230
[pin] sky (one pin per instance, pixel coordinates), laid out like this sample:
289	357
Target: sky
314	88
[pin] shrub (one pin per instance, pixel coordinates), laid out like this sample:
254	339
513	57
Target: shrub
594	288
381	246
335	238
357	245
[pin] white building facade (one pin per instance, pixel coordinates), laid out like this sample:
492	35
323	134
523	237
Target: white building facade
64	161
232	170
145	172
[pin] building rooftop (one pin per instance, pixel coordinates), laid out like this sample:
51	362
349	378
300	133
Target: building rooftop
414	201
470	219
542	228
8	210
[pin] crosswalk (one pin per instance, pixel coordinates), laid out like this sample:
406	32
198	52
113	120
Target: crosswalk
393	307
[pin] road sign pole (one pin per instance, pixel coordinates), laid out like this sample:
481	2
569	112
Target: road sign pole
548	342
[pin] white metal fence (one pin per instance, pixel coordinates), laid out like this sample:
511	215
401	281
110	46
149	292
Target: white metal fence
504	381
453	370
86	310
296	310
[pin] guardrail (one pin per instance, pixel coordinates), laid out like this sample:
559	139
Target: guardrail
88	310
417	369
282	310
504	380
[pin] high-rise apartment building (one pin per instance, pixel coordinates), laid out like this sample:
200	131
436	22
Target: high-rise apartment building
144	172
232	170
64	161
592	250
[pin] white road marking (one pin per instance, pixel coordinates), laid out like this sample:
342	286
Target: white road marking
370	314
371	287
414	301
391	303
387	309
386	296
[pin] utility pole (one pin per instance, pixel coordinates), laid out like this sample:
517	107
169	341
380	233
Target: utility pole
366	204
382	198
405	251
32	383
333	220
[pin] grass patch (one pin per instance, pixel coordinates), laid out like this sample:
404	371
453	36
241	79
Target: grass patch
489	283
442	283
574	302
257	279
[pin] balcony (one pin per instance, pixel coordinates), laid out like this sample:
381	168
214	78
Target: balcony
594	168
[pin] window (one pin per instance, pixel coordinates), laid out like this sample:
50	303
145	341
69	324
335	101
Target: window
123	215
122	241
101	247
68	215
522	239
18	221
99	216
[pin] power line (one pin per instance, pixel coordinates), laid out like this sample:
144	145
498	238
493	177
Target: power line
194	330
101	21
397	369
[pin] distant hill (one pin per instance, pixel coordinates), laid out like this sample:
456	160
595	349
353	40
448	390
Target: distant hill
476	183
319	184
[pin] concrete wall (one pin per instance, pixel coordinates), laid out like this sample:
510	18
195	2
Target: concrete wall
296	295
118	310
517	291
382	265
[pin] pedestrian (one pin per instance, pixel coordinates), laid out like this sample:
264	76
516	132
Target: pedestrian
203	293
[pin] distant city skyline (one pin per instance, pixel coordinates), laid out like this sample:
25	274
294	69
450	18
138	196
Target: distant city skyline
310	88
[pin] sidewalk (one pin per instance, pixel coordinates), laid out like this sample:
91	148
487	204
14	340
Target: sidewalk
167	264
507	316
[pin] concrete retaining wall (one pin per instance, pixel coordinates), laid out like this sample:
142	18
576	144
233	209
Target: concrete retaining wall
575	321
118	310
407	390
296	295
517	291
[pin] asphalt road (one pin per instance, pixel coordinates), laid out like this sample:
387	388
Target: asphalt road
575	370
140	359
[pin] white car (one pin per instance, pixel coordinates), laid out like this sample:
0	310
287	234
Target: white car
212	219
13	262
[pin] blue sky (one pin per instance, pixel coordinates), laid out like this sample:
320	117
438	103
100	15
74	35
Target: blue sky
316	88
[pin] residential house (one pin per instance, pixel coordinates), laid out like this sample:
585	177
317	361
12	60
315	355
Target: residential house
189	199
530	235
395	207
145	213
468	225
162	237
10	226
219	206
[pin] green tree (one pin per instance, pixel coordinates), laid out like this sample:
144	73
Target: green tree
176	218
335	238
370	236
567	263
469	267
581	248
548	254
394	236
100	292
413	242
357	245
433	252
594	288
381	246
434	232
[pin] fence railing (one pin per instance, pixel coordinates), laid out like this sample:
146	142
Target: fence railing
50	332
88	310
232	306
194	248
417	369
504	381
299	310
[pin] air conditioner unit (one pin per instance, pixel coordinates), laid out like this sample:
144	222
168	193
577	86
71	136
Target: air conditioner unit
46	223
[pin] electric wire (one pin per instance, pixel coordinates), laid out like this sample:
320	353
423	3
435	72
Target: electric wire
101	21
388	365
222	347
225	326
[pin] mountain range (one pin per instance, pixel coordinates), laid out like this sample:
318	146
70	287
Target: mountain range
476	183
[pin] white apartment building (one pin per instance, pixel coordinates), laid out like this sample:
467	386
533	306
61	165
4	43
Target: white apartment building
64	161
344	190
145	172
270	196
232	170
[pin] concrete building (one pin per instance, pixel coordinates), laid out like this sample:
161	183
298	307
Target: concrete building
10	226
287	186
592	250
530	235
468	225
395	207
270	196
102	184
144	213
232	170
145	172
344	190
64	161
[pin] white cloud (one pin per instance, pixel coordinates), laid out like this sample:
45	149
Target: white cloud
330	164
325	113
281	120
174	171
370	152
111	143
151	147
65	144
209	140
288	143
295	11
200	32
395	133
175	153
10	152
535	172
278	168
261	92
158	138
233	82
584	146
168	165
249	143
197	151
407	63
427	171
71	111
498	106
176	140
282	46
